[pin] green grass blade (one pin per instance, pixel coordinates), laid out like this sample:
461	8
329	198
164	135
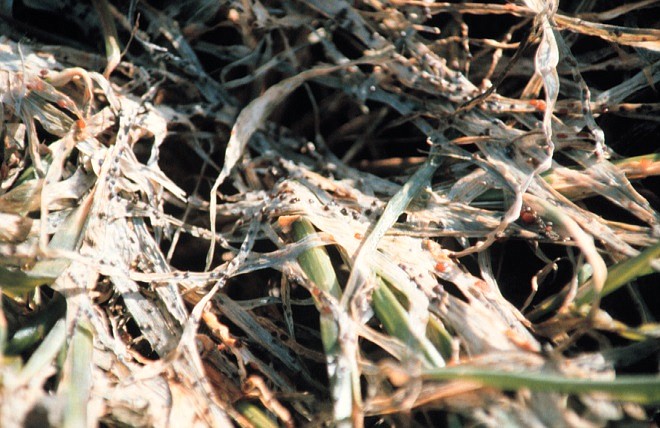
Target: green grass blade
440	338
394	208
638	389
622	273
255	415
37	327
317	265
16	282
77	384
316	262
45	353
396	321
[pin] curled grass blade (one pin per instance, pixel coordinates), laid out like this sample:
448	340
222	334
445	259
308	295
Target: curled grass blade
584	241
618	275
622	273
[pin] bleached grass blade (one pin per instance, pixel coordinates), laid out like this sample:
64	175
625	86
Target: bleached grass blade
360	272
249	120
253	116
584	241
112	51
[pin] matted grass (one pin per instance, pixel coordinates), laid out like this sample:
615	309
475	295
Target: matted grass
329	213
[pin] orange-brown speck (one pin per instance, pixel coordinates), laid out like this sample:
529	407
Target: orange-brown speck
645	164
286	221
520	342
528	215
35	85
538	104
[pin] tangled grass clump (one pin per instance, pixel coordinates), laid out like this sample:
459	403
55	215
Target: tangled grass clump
322	212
